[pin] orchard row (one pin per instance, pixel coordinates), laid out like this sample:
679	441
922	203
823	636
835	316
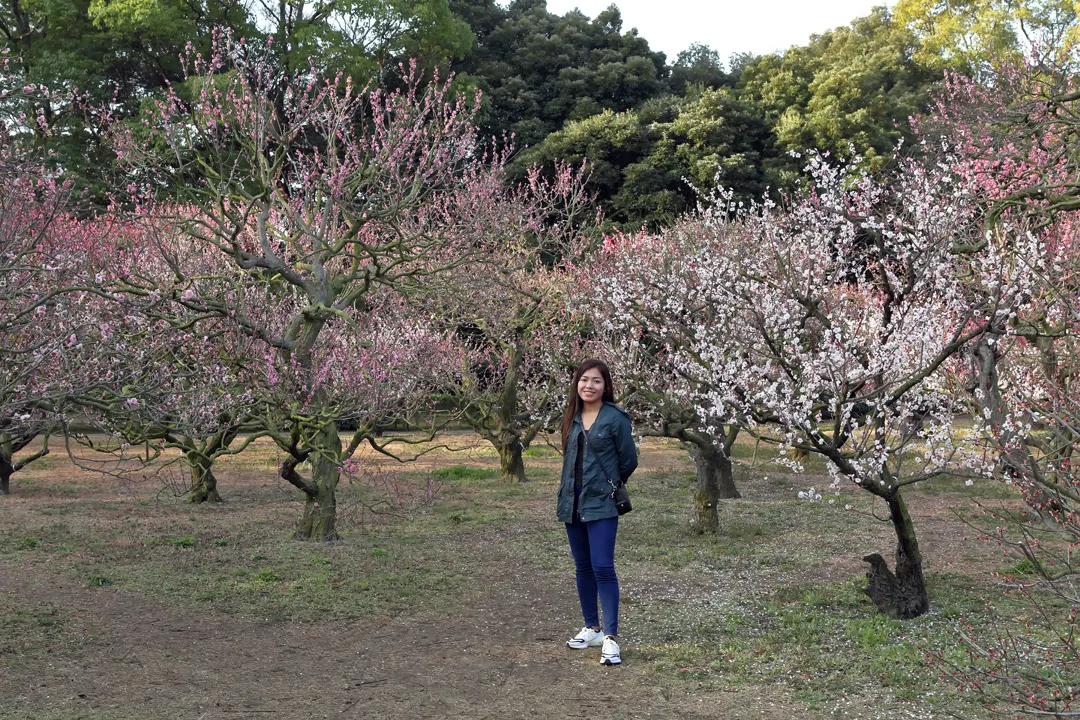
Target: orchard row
299	259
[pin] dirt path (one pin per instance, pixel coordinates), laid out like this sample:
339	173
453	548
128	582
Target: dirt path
502	657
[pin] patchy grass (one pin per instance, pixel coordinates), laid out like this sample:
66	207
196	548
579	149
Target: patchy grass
31	630
824	642
252	568
86	714
771	603
984	490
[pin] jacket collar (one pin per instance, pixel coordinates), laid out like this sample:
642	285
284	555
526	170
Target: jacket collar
581	425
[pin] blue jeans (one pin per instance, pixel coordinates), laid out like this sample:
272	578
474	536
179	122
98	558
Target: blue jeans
593	546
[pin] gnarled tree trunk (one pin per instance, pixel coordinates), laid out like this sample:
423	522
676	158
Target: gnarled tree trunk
714	482
9	445
200	457
319	521
7	463
901	594
508	441
203	481
511	463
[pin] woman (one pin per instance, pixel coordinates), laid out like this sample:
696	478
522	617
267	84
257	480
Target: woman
598	452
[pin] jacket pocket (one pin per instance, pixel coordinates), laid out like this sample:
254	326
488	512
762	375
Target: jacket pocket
602	440
596	490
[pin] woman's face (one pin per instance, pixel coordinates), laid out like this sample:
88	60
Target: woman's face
590	386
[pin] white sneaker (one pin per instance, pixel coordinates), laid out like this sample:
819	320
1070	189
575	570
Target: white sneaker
586	638
609	654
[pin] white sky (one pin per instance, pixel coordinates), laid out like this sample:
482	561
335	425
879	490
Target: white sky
758	26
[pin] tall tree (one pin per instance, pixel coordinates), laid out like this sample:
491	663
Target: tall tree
850	90
109	52
976	36
610	142
714	140
125	51
359	37
538	70
650	165
51	265
698	66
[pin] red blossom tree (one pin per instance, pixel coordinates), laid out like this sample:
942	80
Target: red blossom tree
53	311
323	200
39	326
509	310
1018	141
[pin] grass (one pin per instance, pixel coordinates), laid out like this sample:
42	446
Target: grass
464	472
823	641
541	451
985	490
29	630
736	609
33	636
265	577
772	601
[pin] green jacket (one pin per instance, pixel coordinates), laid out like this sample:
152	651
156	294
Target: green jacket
611	445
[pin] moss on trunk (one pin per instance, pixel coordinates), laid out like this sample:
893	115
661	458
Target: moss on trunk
203	481
714	483
510	461
319	521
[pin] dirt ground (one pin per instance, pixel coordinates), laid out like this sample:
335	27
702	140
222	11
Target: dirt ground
499	655
502	657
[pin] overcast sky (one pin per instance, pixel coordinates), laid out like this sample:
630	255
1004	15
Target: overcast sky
728	26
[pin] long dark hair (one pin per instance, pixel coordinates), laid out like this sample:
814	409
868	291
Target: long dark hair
573	400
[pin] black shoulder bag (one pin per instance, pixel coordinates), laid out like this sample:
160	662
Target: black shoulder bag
618	492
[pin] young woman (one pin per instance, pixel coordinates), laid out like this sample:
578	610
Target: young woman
598	451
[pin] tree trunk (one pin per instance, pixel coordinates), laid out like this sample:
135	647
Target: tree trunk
1014	458
509	441
714	482
319	521
987	394
11	444
510	461
203	481
7	464
6	470
903	594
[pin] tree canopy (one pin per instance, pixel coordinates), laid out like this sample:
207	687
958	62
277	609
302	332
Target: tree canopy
558	87
538	70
